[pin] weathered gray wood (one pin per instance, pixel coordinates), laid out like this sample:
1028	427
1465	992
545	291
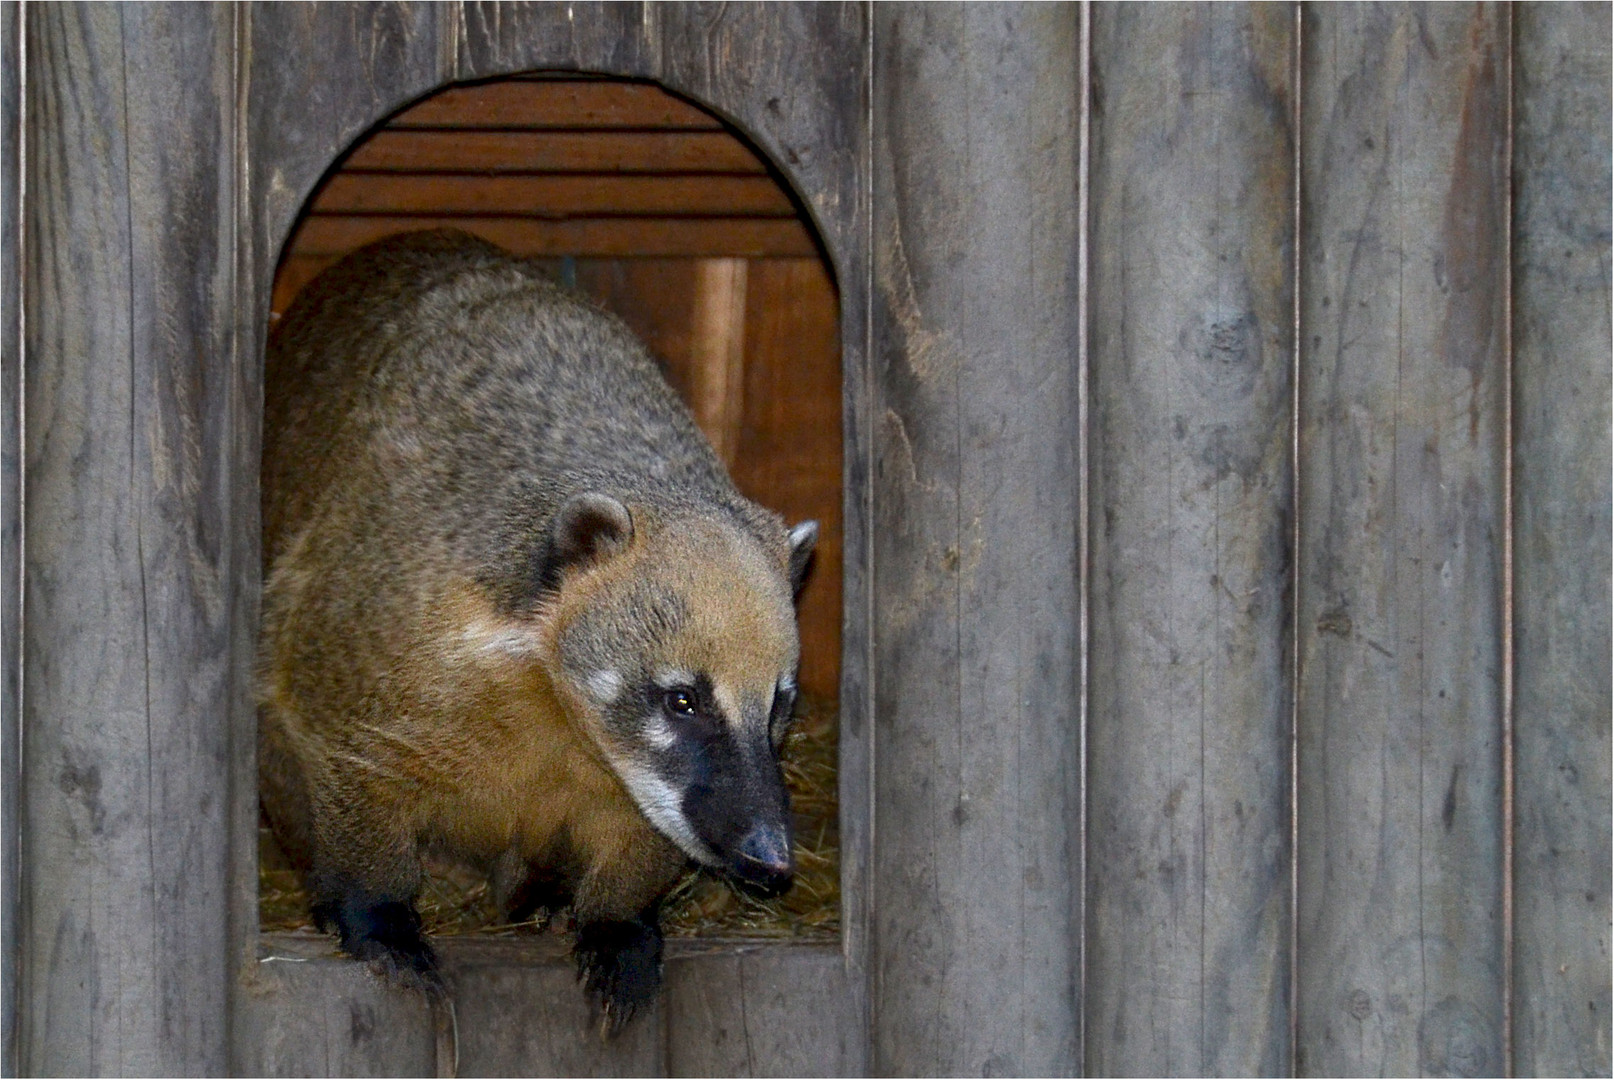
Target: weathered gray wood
501	38
316	78
520	1012
761	1009
1561	385
11	61
1188	734
1403	329
131	415
793	77
319	76
305	1012
975	873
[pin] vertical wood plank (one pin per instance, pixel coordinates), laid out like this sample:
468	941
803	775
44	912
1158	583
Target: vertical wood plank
314	78
306	1012
319	76
794	78
497	37
520	1012
1561	383
976	847
773	1010
1403	324
1192	347
11	81
132	409
718	337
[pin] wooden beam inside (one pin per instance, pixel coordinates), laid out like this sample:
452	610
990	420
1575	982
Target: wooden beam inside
553	195
736	237
718	336
555	151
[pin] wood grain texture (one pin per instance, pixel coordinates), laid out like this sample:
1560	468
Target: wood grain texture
313	78
718	335
520	1012
306	1012
761	1010
1561	385
318	77
1403	323
976	857
1192	347
794	79
545	103
554	196
11	83
498	37
555	151
133	409
586	237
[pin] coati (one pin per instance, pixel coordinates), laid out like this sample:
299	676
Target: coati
514	609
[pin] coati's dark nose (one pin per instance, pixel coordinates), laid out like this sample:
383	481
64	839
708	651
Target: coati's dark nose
764	857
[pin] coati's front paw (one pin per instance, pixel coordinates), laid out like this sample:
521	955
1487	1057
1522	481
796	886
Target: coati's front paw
620	966
386	936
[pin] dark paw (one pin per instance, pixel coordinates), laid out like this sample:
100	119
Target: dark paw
620	966
386	936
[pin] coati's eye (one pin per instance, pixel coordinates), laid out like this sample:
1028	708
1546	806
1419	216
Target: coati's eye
680	701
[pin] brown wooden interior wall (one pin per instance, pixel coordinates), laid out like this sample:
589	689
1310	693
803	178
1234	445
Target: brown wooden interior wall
1225	672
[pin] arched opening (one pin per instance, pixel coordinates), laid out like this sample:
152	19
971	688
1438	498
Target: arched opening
667	217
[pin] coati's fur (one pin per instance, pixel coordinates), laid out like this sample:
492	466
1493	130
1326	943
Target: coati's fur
514	609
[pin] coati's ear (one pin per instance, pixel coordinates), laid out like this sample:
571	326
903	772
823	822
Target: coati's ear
589	526
803	538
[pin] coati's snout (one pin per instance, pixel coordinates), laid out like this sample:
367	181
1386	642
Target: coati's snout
682	655
735	801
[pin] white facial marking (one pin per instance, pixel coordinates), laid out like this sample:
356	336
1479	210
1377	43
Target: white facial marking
604	686
674	677
661	805
727	702
659	734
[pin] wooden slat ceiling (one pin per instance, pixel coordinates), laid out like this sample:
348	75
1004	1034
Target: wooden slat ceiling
556	167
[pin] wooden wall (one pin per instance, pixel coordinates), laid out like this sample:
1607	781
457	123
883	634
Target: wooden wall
11	30
1559	409
1192	369
1225	671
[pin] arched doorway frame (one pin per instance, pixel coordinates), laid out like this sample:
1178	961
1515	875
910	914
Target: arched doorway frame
809	119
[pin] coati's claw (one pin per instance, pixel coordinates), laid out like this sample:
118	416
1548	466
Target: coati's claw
619	964
386	936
